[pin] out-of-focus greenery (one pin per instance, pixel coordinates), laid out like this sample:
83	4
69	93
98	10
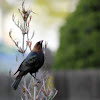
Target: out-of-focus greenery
80	38
6	7
52	8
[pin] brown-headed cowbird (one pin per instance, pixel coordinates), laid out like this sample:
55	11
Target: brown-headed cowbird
31	64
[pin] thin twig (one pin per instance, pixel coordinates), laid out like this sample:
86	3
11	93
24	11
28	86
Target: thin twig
17	24
32	35
54	94
28	92
35	88
20	13
16	43
22	98
26	97
38	95
29	84
25	48
30	44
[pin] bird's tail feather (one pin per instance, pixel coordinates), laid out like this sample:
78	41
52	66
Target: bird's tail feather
16	82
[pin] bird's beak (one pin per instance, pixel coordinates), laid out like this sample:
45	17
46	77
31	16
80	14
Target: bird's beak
41	41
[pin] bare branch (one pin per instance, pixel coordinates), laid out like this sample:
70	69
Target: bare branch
28	92
19	50
17	24
44	85
28	24
16	43
23	1
38	95
26	97
33	12
22	98
32	35
56	91
25	48
35	88
29	84
30	45
44	92
20	13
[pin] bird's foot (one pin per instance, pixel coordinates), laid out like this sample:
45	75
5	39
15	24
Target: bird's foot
38	81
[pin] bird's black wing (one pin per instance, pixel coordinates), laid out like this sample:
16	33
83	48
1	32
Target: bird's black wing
28	62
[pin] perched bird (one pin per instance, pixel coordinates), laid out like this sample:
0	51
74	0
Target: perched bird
31	64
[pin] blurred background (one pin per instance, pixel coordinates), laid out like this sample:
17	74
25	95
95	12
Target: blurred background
72	30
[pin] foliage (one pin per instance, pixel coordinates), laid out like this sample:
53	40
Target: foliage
80	38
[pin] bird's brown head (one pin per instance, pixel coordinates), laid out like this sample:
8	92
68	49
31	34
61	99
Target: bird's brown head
38	46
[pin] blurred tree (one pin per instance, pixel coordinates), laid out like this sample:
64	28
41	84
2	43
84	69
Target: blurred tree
80	38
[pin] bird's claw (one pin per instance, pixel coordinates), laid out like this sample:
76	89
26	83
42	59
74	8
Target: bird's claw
38	81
